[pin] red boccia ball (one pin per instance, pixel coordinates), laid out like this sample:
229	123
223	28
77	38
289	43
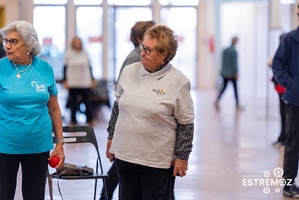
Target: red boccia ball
54	161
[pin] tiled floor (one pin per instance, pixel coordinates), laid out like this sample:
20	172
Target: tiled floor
231	157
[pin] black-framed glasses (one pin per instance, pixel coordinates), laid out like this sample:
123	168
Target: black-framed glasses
147	50
13	42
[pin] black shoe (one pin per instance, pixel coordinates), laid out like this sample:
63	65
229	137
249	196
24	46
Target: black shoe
292	192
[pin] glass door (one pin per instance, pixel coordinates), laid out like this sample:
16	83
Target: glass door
185	59
89	29
51	32
125	18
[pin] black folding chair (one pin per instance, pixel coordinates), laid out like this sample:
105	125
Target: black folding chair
89	137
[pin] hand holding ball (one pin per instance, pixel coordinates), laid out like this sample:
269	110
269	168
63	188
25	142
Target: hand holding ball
54	161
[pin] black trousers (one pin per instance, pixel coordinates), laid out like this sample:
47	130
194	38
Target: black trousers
138	182
112	183
225	82
291	151
34	175
282	109
84	94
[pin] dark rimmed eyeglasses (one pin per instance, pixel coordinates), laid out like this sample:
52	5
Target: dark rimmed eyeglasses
147	50
13	42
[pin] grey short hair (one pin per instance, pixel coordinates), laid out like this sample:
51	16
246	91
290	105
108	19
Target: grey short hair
28	34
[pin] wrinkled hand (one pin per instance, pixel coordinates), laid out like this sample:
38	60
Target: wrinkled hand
94	84
180	167
65	85
109	155
58	151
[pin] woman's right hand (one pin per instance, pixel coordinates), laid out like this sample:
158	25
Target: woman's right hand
65	85
109	155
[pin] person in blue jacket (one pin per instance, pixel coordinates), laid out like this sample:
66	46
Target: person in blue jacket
286	71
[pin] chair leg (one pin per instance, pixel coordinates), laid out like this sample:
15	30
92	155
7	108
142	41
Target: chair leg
95	189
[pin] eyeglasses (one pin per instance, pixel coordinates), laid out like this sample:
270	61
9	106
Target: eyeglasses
13	42
146	49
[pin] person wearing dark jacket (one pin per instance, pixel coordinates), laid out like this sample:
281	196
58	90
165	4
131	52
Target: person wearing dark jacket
280	142
2	50
285	69
136	36
229	71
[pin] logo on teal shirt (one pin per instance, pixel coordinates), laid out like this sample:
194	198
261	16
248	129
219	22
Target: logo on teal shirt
38	87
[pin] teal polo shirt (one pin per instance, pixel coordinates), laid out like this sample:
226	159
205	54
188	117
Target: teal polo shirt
25	123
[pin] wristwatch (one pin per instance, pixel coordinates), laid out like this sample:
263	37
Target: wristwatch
62	141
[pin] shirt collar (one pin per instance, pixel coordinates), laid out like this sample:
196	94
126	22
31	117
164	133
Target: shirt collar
157	75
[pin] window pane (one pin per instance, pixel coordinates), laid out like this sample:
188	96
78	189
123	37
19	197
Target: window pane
88	2
185	59
89	29
129	2
123	25
179	2
51	33
57	2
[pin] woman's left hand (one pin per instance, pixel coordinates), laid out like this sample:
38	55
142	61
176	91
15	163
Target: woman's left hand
180	167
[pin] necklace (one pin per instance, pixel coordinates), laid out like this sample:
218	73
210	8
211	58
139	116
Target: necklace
19	73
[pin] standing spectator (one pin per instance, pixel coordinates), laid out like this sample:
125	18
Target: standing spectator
136	36
229	71
152	120
78	79
280	91
29	113
2	50
285	69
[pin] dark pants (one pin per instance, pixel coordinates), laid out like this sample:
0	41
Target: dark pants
234	82
112	183
138	182
84	94
291	151
34	175
282	109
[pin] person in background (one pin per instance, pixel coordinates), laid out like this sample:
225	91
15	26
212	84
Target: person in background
29	114
229	71
2	50
285	69
152	121
78	79
136	37
280	91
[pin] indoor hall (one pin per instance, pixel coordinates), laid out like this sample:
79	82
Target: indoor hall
231	149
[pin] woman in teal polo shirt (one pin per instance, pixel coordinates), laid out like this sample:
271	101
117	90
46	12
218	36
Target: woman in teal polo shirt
29	112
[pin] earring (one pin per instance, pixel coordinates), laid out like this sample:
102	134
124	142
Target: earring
28	53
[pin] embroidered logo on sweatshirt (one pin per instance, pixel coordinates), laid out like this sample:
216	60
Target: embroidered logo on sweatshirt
159	91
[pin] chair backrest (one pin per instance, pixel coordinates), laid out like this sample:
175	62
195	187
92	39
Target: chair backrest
89	137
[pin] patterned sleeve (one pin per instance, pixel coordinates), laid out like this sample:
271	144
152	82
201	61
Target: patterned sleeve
112	121
184	140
